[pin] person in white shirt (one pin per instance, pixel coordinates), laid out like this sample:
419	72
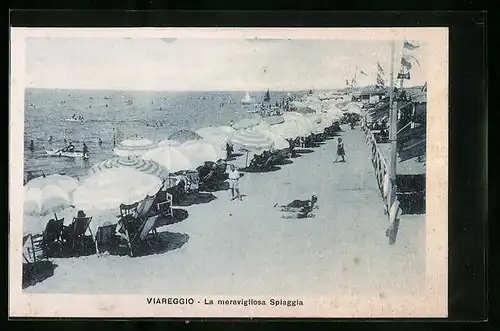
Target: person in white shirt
234	179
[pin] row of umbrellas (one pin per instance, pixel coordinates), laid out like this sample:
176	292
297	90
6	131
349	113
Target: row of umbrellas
140	164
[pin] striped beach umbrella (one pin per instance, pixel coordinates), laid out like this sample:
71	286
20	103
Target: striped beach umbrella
279	142
251	139
132	162
132	147
182	136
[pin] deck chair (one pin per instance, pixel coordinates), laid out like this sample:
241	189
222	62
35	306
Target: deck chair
165	207
75	233
49	242
134	220
106	236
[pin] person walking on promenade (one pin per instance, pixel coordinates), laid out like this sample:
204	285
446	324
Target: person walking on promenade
234	179
340	150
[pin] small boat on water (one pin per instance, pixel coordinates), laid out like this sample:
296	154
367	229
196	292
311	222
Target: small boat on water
267	96
247	100
73	120
59	153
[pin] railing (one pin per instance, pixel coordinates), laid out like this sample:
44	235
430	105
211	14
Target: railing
387	189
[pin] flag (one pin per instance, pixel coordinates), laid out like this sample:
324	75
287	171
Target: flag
410	57
405	63
380	80
403	75
424	88
410	46
379	68
361	71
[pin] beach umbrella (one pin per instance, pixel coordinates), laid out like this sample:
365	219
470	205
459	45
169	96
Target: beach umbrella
302	108
290	130
301	120
172	158
182	136
167	142
216	135
109	188
273	120
279	142
134	147
316	120
353	108
134	162
66	182
201	151
251	140
42	201
246	123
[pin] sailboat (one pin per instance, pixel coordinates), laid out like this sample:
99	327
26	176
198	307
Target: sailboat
247	99
267	97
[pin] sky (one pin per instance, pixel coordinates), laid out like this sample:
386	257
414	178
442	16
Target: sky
208	64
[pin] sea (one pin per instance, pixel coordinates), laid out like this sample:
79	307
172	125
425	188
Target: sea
114	116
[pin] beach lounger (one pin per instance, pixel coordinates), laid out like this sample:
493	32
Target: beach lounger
165	207
106	237
75	234
134	225
49	243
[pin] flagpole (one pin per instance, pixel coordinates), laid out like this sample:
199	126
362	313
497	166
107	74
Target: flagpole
392	133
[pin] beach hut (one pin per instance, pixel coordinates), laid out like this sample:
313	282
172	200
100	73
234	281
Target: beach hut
134	162
132	147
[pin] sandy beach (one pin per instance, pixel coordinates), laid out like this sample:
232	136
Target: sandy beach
247	248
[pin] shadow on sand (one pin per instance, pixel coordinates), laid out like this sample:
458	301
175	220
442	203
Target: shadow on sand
303	151
179	216
164	242
195	199
37	272
214	186
260	170
285	162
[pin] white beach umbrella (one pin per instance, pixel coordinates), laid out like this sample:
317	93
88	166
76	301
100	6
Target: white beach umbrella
134	147
109	188
65	182
50	198
279	142
246	123
172	158
290	130
134	162
216	135
301	120
273	120
201	151
167	142
43	195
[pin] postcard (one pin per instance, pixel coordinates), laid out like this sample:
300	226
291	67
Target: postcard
228	172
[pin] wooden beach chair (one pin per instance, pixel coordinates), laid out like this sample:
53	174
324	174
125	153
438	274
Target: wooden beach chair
75	234
165	207
49	242
138	227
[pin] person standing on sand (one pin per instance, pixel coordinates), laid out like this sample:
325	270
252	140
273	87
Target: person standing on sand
340	150
234	179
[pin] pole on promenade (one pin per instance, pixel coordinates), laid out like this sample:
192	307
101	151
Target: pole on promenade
393	115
